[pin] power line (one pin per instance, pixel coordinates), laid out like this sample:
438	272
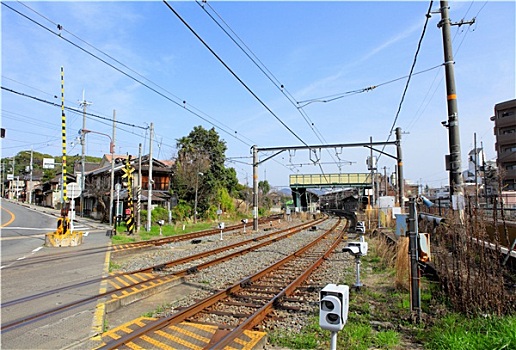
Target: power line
411	69
68	108
261	66
180	104
233	73
331	98
265	71
422	108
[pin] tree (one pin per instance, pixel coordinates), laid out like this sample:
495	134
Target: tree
202	152
263	189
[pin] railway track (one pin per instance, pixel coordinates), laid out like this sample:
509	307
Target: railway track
127	248
148	276
188	236
236	309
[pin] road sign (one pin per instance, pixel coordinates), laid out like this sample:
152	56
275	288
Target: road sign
73	190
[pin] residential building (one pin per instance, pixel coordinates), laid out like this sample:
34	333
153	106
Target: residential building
98	185
505	132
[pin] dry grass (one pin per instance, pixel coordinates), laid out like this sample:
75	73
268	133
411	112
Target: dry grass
402	264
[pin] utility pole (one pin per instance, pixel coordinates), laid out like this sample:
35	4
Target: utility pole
112	184
476	170
399	170
30	180
150	182
385	180
484	173
139	190
84	104
456	184
255	188
372	166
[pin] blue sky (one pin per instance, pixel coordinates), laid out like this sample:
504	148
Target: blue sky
314	49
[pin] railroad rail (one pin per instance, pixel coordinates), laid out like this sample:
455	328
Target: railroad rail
187	236
267	239
258	294
127	247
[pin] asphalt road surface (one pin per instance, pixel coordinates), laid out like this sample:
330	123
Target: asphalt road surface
23	231
55	275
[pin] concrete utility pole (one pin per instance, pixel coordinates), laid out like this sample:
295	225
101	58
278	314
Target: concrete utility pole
372	166
112	183
476	170
83	104
31	163
139	191
454	165
399	170
150	182
255	188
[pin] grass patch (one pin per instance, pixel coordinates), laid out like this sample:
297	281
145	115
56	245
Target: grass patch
355	336
387	340
158	310
308	338
166	230
122	239
455	331
114	266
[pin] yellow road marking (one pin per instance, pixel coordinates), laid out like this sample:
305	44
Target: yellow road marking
11	220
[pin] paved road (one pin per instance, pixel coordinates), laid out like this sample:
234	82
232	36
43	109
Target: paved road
23	231
29	268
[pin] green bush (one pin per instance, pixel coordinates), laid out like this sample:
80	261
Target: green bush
181	211
159	213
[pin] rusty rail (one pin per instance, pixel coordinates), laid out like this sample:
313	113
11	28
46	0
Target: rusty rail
254	319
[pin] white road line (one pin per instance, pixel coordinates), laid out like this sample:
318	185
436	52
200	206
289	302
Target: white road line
28	228
37	249
21	258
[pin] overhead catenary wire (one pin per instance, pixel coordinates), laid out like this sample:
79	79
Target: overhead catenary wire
261	66
233	73
427	18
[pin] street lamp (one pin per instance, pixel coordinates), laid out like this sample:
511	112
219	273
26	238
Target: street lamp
111	194
196	190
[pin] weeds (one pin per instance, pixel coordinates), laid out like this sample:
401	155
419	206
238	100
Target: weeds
380	316
114	266
458	332
157	311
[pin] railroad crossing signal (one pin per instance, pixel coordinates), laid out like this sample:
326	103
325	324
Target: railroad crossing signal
128	170
128	175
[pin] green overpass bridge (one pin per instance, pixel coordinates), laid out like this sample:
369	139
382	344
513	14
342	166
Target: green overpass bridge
300	183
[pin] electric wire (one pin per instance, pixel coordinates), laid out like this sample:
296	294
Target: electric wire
259	64
427	18
422	106
270	76
331	98
411	70
67	108
103	61
183	104
232	72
